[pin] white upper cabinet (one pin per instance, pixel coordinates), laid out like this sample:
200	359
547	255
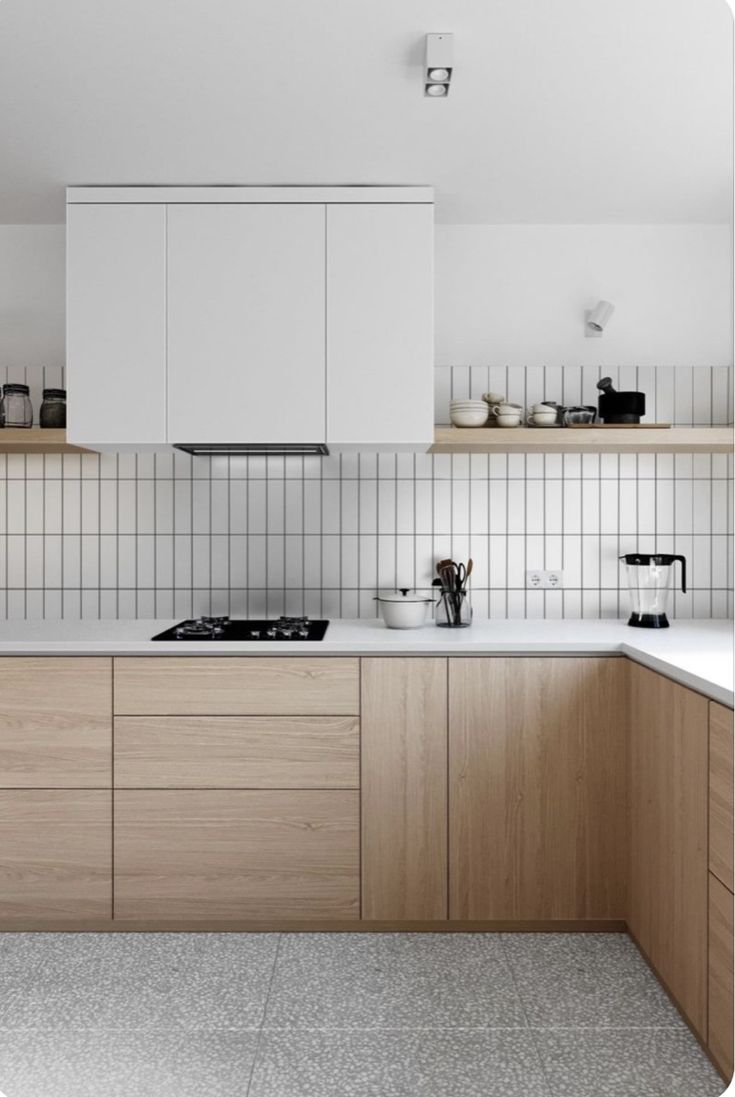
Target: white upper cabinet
235	316
246	323
380	325
116	324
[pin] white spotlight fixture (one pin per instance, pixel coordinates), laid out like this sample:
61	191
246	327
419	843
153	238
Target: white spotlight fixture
597	318
438	65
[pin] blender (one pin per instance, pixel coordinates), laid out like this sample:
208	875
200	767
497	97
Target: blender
649	575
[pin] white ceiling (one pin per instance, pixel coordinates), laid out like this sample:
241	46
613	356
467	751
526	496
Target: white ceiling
561	111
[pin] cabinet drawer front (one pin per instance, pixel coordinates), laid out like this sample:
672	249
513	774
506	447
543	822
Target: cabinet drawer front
721	793
720	1020
237	752
236	855
55	722
55	854
247	686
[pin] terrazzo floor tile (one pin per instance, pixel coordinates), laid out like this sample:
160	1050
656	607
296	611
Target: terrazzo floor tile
367	981
494	1063
84	1064
587	981
633	1063
139	982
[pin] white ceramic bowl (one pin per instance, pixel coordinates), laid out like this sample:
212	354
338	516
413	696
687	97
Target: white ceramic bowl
468	417
508	421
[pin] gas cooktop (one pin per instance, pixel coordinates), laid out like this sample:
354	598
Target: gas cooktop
226	629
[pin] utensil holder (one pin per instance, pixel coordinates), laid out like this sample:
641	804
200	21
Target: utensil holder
454	610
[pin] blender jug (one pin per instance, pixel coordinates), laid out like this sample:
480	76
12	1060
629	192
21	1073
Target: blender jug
649	575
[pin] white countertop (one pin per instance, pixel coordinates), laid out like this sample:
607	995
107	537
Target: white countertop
699	654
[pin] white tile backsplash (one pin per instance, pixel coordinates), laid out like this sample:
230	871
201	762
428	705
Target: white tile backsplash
168	535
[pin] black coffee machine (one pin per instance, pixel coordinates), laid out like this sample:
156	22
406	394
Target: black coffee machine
619	407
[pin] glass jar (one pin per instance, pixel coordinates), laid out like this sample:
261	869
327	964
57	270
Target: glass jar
53	409
16	409
454	610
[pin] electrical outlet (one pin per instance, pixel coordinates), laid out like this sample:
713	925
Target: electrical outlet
545	580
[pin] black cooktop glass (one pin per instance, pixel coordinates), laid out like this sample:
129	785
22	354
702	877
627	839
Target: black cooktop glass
224	629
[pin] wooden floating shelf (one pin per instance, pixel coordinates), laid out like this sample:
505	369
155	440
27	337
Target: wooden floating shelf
567	440
36	440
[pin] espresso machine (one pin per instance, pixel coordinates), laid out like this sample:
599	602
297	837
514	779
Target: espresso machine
649	579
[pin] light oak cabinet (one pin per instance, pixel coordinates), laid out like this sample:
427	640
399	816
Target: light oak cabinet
667	911
55	722
55	854
404	789
720	988
721	793
537	791
236	855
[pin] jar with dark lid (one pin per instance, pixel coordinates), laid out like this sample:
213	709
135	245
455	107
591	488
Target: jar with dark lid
53	409
16	409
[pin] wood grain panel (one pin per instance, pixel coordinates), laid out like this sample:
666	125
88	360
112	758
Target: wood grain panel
197	854
721	822
55	854
668	844
55	722
537	798
237	752
404	788
232	686
720	1014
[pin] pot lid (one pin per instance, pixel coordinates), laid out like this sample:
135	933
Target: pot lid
404	594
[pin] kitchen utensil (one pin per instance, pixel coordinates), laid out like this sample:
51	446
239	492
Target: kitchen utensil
542	418
508	420
454	610
406	609
619	407
580	415
649	575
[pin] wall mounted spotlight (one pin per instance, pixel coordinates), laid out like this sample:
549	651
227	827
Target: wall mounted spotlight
595	319
438	65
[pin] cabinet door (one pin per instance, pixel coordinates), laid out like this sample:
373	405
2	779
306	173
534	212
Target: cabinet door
246	323
720	1014
404	788
668	819
721	793
380	326
55	854
116	324
537	803
55	723
210	854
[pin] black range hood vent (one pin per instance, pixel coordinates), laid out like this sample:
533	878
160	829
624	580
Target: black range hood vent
254	449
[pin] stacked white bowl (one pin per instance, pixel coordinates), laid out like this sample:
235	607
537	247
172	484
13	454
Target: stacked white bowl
468	413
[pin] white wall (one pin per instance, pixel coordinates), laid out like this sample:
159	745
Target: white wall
505	295
32	295
516	294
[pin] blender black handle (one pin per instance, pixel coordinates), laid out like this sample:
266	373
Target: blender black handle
683	562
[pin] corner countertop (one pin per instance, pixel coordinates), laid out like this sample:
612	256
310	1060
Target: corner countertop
698	654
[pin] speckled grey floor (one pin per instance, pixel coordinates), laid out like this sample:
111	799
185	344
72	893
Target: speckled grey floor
342	1015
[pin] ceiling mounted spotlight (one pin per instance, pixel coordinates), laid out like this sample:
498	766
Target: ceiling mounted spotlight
596	319
438	65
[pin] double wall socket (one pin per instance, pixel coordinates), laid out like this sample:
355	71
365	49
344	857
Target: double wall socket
545	580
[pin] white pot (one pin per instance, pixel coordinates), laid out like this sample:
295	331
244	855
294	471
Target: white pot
407	609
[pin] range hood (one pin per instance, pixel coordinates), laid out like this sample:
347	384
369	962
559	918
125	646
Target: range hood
254	449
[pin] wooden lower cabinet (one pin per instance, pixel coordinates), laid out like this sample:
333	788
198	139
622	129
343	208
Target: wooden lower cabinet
721	822
404	789
537	797
202	854
55	722
720	1011
55	854
667	911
